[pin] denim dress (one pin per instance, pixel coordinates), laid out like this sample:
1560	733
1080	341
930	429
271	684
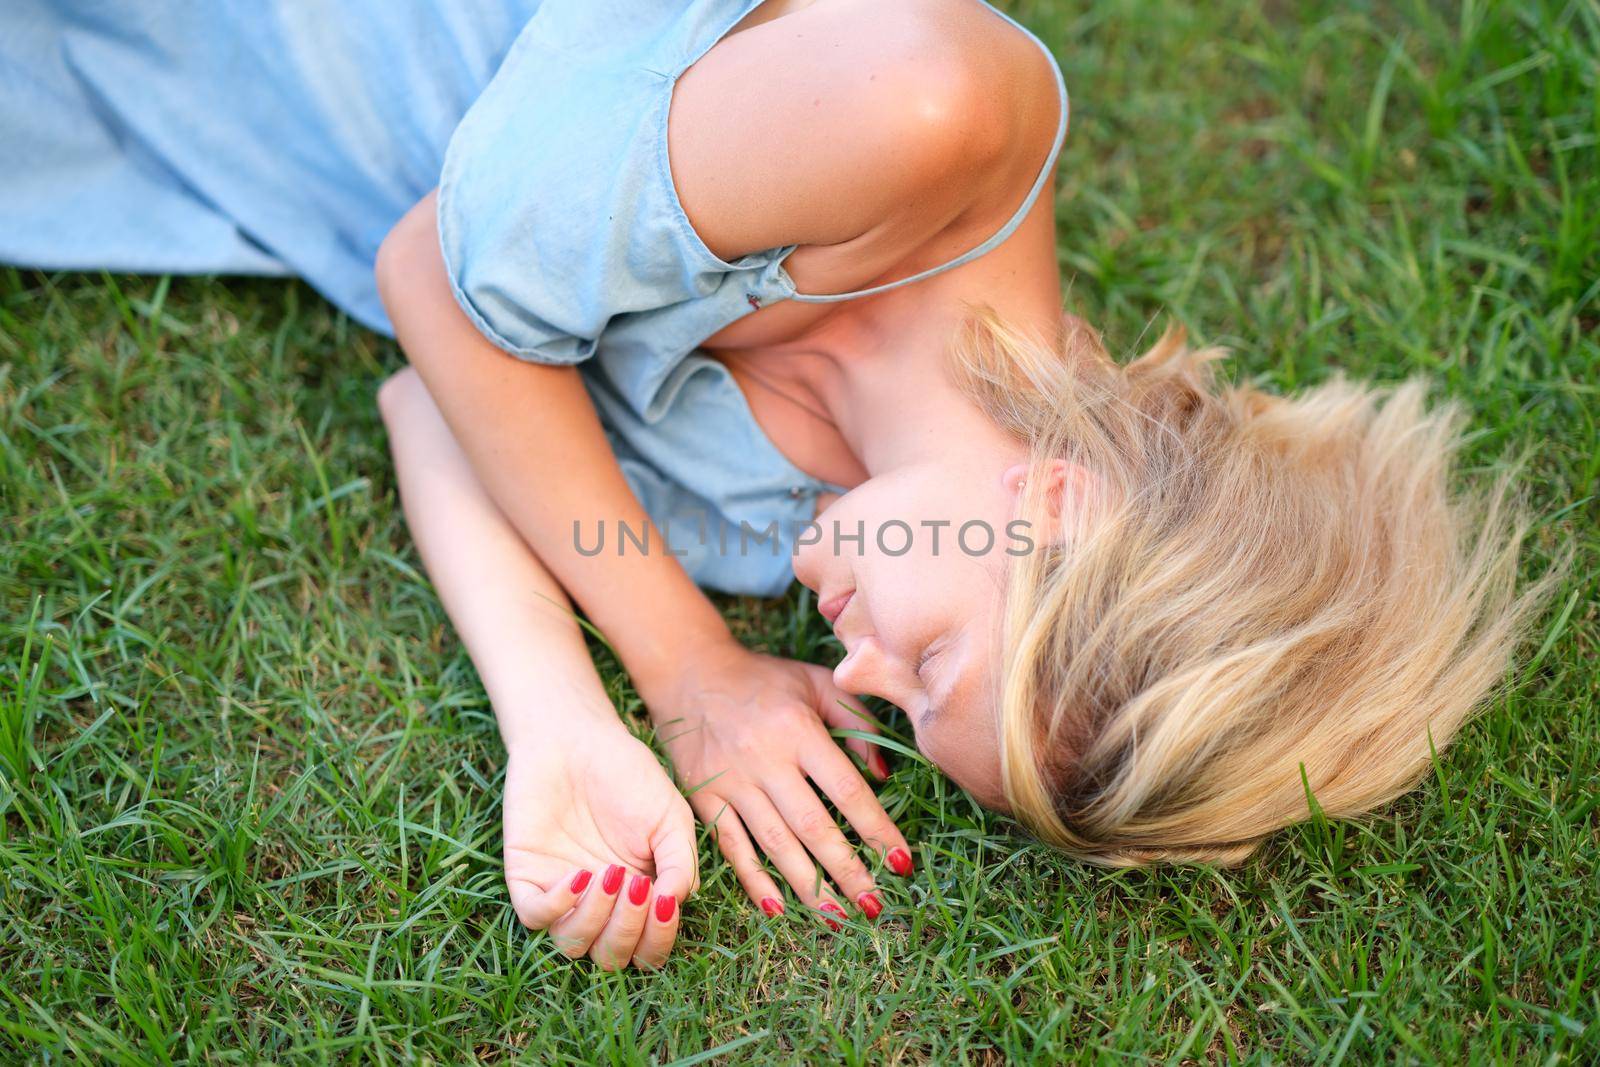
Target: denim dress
287	136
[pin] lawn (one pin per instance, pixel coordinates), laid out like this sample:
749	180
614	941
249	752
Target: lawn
249	780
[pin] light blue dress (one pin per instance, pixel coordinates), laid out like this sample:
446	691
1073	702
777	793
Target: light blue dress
285	137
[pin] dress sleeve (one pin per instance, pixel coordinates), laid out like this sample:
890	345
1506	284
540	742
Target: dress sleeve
551	213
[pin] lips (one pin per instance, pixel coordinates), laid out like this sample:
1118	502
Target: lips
833	607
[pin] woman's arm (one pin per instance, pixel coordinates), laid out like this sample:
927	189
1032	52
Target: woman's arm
746	732
514	619
535	443
568	752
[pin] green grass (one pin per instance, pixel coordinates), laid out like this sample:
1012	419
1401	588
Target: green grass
248	779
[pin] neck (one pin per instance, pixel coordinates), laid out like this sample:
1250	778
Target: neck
887	386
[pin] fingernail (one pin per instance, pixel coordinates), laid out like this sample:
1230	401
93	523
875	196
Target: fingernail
899	861
613	879
580	881
880	766
830	907
772	906
869	903
638	889
665	906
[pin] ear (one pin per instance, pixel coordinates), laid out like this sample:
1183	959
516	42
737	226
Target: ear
1053	496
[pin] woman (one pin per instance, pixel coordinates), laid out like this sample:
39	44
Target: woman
782	275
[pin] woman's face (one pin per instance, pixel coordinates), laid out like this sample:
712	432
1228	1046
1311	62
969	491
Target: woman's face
909	568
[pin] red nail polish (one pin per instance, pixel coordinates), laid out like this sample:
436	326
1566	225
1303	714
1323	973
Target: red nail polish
638	889
613	879
580	881
870	904
665	905
772	906
899	861
880	766
830	908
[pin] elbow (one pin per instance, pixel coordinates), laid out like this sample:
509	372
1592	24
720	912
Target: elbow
386	271
397	261
407	258
399	394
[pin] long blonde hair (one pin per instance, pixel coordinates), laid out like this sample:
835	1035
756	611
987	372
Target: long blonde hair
1262	588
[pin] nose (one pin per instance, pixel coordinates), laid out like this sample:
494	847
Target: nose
869	669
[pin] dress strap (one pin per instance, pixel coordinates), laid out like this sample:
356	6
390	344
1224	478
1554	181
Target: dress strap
1015	220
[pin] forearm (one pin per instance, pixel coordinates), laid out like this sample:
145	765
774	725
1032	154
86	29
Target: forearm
531	434
511	614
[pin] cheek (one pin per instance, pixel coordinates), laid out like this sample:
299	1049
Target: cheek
968	756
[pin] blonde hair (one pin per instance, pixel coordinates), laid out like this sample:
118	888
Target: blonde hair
1260	587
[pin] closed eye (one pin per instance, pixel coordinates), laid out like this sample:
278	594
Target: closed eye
932	702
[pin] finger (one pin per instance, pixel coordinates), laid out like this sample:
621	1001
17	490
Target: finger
660	930
673	852
772	832
574	932
797	802
736	848
620	938
841	712
836	776
539	908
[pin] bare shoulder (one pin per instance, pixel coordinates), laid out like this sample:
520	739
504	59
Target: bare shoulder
963	82
974	73
816	127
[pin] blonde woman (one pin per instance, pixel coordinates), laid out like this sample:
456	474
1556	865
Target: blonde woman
721	293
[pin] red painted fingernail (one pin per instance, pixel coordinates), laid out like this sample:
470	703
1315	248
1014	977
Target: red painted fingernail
638	889
664	908
581	880
880	766
771	906
899	861
613	879
829	906
869	903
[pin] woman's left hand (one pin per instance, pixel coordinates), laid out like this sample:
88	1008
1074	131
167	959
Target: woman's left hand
748	737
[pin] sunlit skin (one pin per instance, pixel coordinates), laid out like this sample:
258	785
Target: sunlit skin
920	616
924	453
912	131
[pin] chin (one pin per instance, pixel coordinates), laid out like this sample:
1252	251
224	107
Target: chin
997	803
989	795
984	788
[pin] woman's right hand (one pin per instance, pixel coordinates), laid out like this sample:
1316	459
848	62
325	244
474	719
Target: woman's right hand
749	742
599	844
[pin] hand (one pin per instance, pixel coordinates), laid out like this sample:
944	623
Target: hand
745	731
590	818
